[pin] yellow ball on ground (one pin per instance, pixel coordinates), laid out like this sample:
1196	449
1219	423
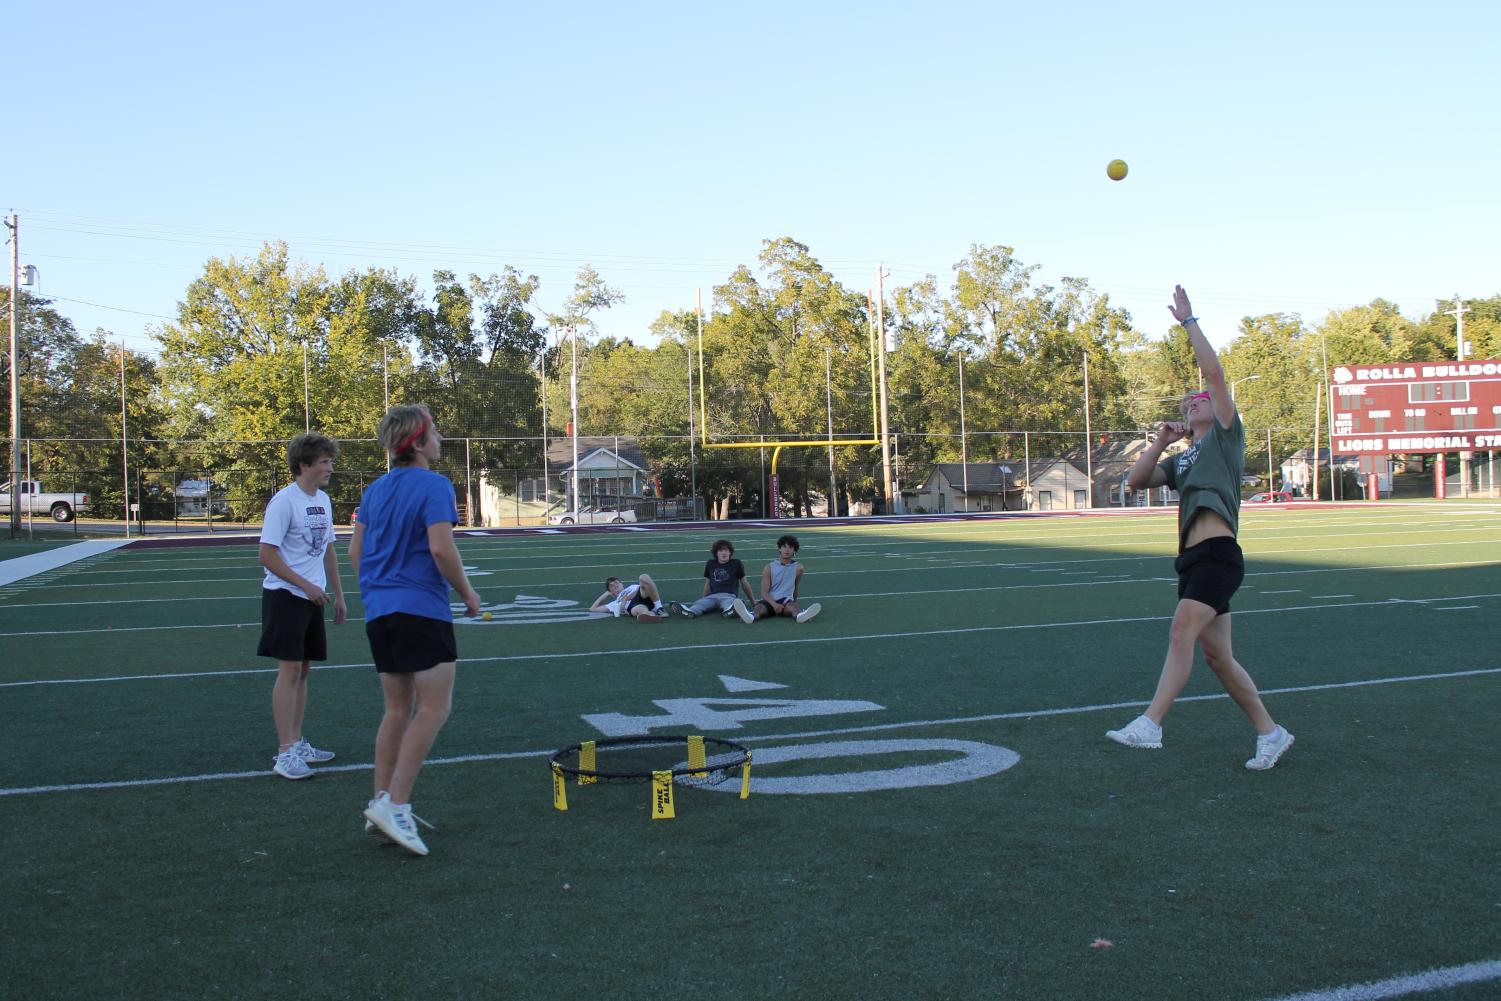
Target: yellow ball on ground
1116	169
486	616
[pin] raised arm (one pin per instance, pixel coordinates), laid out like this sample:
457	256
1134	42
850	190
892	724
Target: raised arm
1144	472
1209	362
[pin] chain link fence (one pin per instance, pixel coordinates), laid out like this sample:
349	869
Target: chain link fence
208	486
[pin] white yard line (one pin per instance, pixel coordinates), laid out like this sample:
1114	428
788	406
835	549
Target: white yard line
799	735
689	647
492	586
1417	983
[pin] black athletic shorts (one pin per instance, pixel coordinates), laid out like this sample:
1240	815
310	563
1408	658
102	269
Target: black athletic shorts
405	644
1211	572
291	627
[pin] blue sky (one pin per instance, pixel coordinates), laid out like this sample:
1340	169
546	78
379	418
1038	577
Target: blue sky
1284	156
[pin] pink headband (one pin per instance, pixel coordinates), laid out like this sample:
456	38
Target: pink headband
412	439
1199	396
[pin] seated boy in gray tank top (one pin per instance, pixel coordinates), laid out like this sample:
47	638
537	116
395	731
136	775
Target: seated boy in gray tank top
780	582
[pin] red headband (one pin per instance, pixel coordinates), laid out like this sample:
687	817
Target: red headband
412	439
1199	396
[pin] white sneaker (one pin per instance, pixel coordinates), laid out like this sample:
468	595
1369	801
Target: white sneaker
682	610
291	766
660	612
370	828
1269	749
307	752
746	615
1140	732
809	612
396	823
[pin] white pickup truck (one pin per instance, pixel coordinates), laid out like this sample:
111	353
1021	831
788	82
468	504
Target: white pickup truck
62	507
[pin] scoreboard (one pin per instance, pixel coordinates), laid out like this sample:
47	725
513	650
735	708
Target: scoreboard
1446	406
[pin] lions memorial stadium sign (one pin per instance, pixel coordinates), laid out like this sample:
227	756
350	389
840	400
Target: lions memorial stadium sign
1447	406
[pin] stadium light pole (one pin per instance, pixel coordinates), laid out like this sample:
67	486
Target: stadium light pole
1237	382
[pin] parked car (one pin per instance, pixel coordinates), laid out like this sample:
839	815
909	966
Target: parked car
1274	497
590	515
62	507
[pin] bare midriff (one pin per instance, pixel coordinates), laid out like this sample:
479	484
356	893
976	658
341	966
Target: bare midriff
1206	525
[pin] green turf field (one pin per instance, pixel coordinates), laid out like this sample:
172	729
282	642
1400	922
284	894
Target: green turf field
149	852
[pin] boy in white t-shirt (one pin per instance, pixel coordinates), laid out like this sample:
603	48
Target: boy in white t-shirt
301	565
641	600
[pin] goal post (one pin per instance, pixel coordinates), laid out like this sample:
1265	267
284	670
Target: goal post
777	446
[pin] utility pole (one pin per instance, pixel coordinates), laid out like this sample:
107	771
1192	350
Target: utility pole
125	451
698	310
881	361
1318	409
963	439
1329	396
828	402
573	401
1088	441
14	225
1458	312
307	413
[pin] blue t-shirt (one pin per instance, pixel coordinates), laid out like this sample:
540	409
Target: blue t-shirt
397	572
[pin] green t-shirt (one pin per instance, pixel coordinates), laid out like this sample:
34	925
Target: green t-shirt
1207	476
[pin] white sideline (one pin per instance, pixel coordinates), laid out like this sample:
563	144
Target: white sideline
23	567
1418	983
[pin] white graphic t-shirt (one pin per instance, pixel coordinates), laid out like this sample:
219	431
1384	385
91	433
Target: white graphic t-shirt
301	526
623	599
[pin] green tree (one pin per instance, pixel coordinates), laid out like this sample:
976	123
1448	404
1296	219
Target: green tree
765	347
70	403
1436	335
232	361
1377	333
1287	360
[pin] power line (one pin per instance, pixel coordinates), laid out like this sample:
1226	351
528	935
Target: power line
100	305
550	260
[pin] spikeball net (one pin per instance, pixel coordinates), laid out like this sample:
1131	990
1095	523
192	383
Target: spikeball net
662	761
